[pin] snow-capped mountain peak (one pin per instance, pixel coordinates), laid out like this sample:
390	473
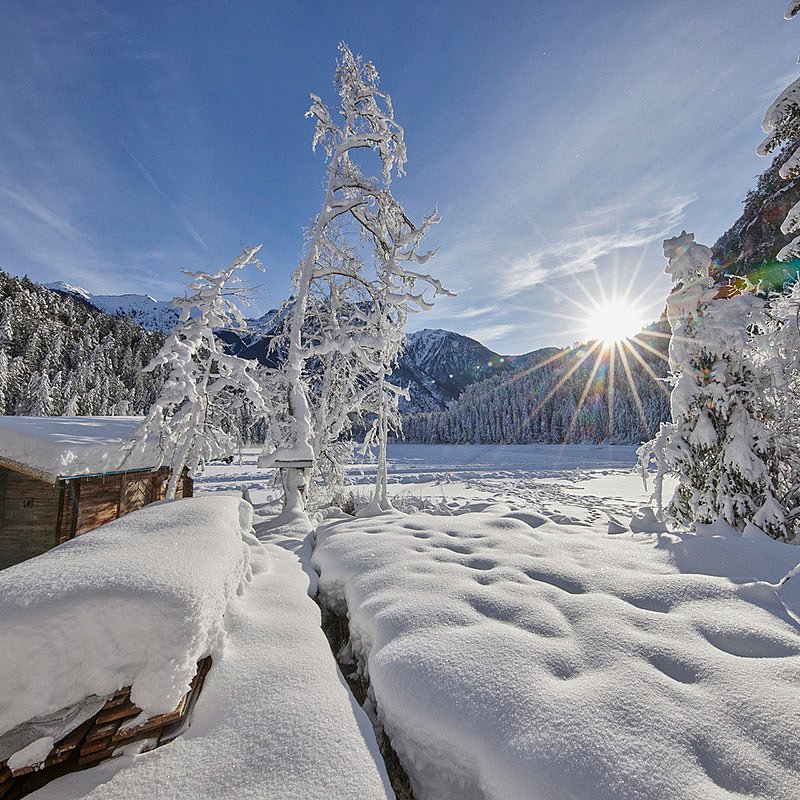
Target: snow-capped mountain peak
68	288
155	315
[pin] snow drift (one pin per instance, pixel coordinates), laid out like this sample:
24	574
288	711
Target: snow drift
512	657
136	602
275	719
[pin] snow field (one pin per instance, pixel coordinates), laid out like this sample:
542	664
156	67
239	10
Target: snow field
275	718
511	657
136	602
586	483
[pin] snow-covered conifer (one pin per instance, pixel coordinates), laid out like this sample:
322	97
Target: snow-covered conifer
779	357
782	125
717	444
3	382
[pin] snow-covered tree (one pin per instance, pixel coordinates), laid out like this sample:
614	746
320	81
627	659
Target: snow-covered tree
359	261
782	125
192	416
385	401
717	445
779	357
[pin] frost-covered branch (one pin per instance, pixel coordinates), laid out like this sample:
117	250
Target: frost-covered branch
191	416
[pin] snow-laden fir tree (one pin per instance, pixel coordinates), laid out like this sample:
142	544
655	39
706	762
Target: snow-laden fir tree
358	268
717	444
194	416
779	357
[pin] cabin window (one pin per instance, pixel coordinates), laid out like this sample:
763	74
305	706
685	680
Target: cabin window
27	502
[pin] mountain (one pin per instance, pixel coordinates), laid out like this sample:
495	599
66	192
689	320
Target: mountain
438	365
144	310
151	314
749	247
556	396
59	353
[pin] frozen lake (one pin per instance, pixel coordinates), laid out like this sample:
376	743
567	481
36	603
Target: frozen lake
584	482
517	457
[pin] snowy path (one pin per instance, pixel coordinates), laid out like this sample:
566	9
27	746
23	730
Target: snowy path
275	719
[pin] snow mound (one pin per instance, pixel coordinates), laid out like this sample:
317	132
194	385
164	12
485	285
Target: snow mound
275	719
510	660
136	602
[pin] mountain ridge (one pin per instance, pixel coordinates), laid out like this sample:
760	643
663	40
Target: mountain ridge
145	310
436	364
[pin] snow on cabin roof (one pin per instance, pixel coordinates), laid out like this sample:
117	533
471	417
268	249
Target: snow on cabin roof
50	448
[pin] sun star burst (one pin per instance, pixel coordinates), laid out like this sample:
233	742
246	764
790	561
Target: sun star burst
614	321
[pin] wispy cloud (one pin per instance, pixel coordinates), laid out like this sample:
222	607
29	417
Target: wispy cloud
42	213
190	229
491	333
148	55
473	312
581	247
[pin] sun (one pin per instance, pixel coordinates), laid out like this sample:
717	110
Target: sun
614	321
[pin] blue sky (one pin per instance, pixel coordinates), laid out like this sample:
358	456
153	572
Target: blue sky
560	141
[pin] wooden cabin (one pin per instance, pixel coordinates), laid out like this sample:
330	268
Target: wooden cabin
63	476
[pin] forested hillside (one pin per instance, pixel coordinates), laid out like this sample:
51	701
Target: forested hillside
574	396
58	355
750	246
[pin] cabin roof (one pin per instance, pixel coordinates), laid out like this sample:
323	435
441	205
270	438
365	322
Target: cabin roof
53	448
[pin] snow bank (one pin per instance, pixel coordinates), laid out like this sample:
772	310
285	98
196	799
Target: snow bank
135	602
59	447
275	719
513	660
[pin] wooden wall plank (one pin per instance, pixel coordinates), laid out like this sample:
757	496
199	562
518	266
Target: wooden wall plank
30	515
3	480
99	501
35	516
